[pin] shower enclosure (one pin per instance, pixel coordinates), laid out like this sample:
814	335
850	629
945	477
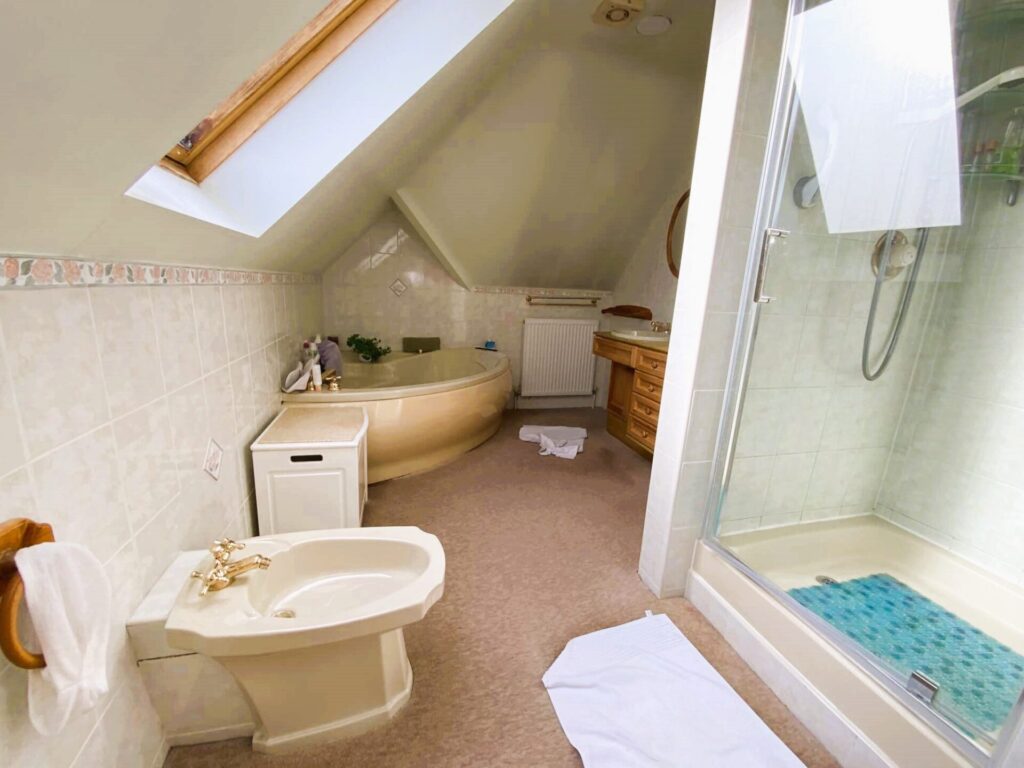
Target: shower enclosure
870	462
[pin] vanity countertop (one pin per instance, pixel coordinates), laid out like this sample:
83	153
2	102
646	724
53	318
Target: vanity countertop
657	346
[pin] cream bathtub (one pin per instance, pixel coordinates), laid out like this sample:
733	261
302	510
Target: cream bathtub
424	410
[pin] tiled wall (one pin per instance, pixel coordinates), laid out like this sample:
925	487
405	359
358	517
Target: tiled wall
108	396
728	269
932	443
815	435
956	475
711	271
357	296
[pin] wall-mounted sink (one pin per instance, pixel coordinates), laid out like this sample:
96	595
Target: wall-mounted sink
641	335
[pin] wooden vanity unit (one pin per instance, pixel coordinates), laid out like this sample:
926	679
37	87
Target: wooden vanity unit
634	390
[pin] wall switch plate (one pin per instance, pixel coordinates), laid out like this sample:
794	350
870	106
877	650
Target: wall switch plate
214	458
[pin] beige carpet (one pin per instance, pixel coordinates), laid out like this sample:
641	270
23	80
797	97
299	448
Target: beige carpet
539	550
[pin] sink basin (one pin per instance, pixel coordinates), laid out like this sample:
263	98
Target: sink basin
315	640
332	585
641	335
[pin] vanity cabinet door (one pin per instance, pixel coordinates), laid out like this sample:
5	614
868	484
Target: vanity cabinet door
620	390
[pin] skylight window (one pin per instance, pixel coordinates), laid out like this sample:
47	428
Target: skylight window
259	98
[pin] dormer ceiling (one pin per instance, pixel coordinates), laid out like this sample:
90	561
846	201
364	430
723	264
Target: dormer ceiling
537	155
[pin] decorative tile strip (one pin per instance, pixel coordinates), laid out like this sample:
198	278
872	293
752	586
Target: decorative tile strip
565	293
43	271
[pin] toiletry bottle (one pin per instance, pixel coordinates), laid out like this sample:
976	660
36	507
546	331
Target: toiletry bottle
978	158
991	156
1013	142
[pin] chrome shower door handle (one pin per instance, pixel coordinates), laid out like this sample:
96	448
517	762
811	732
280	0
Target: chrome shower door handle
771	234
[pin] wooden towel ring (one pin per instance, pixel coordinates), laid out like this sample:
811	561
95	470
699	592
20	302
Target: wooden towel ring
669	247
15	534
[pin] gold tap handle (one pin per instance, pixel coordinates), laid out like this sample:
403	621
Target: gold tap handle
229	545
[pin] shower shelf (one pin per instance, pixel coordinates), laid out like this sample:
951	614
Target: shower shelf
1012	180
1001	83
986	175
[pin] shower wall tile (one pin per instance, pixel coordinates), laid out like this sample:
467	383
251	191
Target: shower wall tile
111	460
956	475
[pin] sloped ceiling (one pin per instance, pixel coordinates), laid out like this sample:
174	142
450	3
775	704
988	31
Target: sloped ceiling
540	152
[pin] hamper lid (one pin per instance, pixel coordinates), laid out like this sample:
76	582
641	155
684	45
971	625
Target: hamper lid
306	424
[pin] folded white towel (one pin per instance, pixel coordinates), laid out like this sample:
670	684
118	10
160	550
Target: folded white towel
563	449
564	442
641	695
68	598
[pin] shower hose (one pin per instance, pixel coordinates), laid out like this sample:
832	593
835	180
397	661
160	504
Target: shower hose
901	311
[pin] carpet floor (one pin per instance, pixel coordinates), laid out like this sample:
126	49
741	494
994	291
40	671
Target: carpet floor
539	550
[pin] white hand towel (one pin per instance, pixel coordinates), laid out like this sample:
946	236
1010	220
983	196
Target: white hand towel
68	598
563	449
564	442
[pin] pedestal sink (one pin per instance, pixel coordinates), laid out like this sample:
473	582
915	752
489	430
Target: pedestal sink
316	639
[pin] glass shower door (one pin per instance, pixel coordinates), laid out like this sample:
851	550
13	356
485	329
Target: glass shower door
860	472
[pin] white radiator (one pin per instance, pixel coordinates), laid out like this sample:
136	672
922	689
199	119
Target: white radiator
558	357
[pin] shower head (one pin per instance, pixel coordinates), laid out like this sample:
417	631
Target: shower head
806	191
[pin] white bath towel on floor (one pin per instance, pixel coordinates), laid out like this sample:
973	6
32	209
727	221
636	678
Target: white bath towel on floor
564	442
68	598
641	695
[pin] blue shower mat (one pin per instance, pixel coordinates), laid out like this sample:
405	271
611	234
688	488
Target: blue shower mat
979	678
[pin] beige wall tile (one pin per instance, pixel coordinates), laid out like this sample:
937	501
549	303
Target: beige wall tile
12	445
126	335
145	450
49	334
176	330
78	489
213	345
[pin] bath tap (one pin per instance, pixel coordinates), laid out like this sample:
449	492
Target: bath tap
224	572
660	326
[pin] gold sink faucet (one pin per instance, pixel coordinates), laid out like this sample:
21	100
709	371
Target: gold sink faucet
224	571
659	326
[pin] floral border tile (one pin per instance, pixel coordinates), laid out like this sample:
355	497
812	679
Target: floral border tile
41	271
563	293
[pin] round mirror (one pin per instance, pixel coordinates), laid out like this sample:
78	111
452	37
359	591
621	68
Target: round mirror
674	238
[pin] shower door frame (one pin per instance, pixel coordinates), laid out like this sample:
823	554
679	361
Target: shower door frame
772	184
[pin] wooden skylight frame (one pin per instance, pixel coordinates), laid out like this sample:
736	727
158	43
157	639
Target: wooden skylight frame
272	86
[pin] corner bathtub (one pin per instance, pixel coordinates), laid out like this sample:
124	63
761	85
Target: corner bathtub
424	410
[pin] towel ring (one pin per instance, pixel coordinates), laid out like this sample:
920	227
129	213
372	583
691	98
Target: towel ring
14	535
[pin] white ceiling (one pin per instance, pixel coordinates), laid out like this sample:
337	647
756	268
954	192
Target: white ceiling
540	152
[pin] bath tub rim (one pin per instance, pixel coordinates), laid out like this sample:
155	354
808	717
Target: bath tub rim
358	395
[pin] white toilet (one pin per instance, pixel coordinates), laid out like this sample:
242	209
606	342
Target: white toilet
315	639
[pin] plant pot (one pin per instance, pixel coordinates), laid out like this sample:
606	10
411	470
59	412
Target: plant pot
366	358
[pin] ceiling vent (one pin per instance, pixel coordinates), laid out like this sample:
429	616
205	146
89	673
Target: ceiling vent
618	13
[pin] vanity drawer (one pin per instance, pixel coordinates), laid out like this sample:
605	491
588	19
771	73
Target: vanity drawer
648	386
617	353
641	432
645	409
650	362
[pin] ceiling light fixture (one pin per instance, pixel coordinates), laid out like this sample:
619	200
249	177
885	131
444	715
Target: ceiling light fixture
653	25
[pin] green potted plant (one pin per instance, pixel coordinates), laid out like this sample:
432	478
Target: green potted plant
369	349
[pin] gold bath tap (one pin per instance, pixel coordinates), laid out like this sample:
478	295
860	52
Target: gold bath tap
224	571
